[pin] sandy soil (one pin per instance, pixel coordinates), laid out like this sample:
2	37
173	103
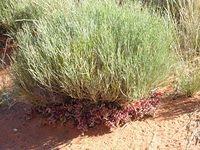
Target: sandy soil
176	125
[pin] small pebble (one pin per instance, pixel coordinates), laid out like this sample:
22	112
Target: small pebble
15	130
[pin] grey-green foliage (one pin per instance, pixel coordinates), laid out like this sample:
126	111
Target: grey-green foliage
97	50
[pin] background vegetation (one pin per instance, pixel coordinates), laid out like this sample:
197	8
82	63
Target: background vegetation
185	15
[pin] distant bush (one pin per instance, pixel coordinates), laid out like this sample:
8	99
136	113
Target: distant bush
14	13
186	16
98	51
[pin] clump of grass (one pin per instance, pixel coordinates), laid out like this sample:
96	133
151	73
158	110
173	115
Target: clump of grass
98	51
188	44
188	81
189	85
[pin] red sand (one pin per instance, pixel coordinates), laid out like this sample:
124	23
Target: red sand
176	125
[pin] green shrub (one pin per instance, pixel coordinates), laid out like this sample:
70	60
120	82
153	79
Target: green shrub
98	51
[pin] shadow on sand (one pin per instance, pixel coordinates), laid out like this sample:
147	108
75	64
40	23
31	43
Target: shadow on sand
20	133
170	109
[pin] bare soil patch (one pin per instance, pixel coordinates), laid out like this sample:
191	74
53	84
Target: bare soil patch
175	126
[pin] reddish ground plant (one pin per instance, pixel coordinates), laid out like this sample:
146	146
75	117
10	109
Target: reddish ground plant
86	115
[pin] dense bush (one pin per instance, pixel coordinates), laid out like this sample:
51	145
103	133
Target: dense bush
97	50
